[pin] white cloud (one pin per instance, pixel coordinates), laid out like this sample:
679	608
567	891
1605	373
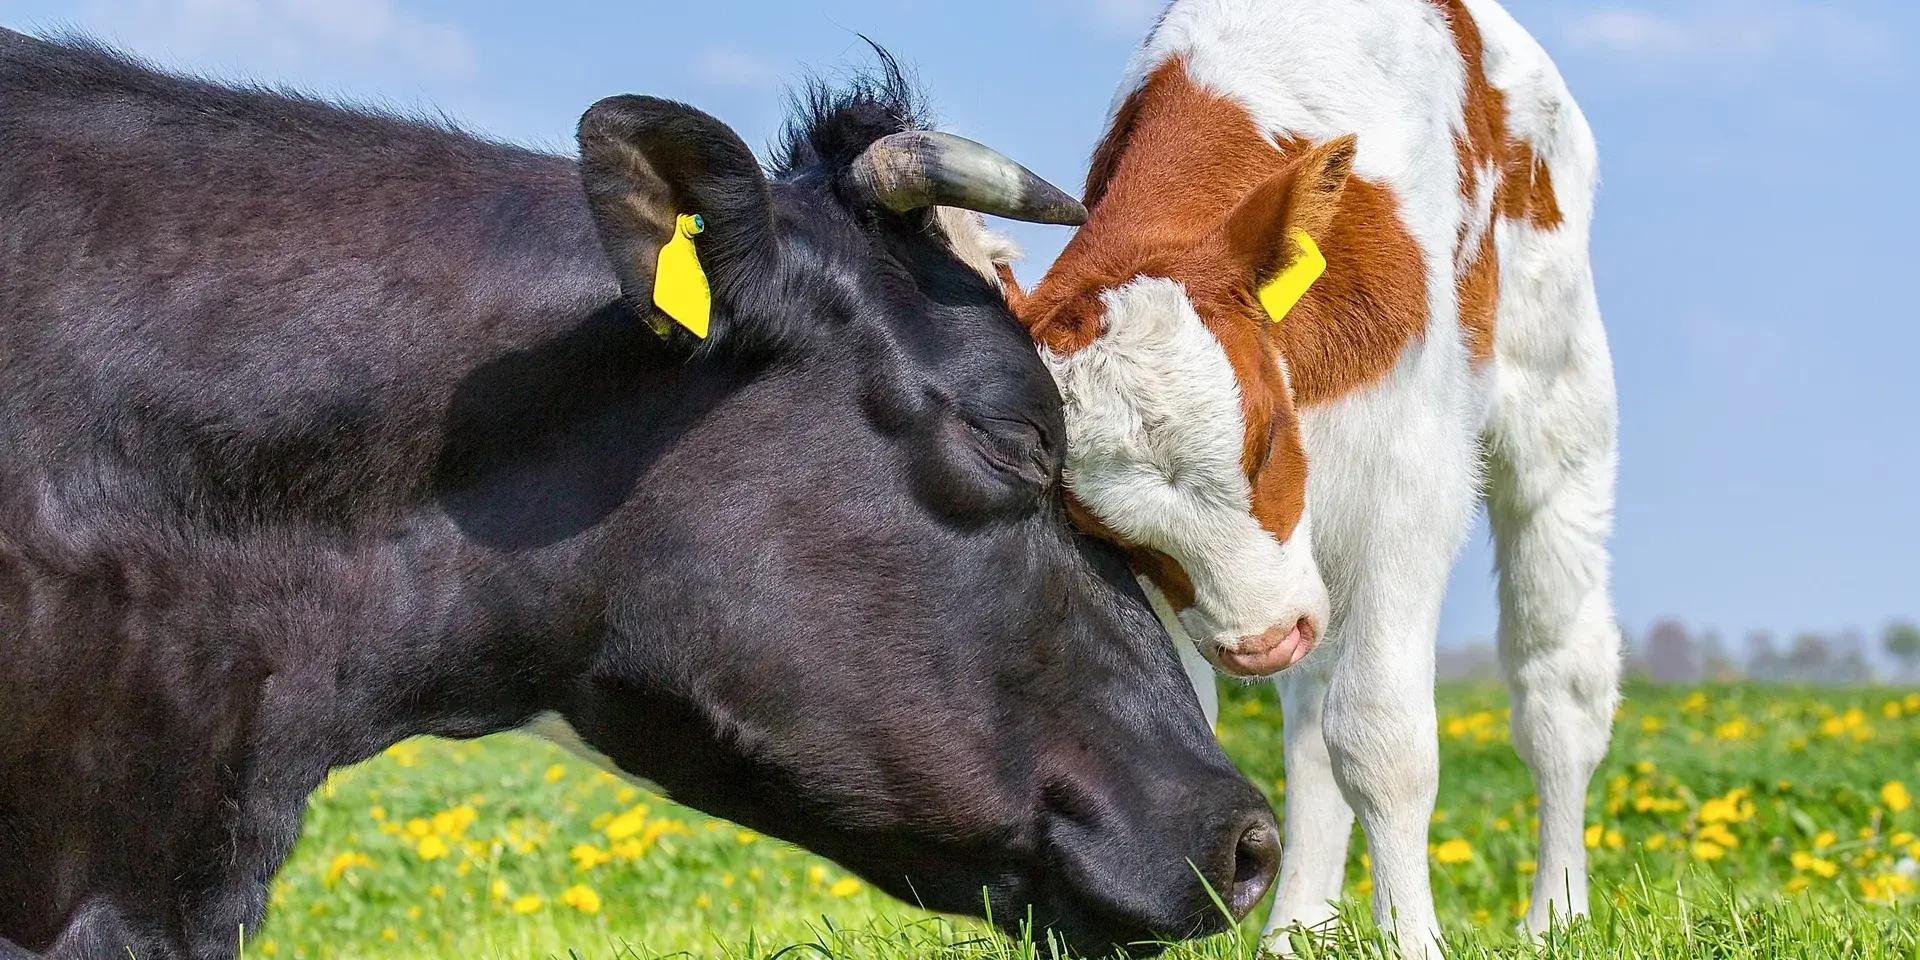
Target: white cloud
726	67
280	36
1727	34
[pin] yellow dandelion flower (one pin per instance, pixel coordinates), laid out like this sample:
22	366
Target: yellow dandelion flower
432	847
343	863
1528	867
1615	840
378	812
1708	850
268	948
389	934
581	898
744	837
1365	886
844	887
499	890
702	902
454	823
1912	703
728	880
436	891
816	874
1695	702
586	856
418	827
556	773
1901	839
1796	885
1886	886
1896	797
627	824
1890	710
1657	842
1824	840
413	912
1453	851
528	903
1594	835
1718	834
626	795
1650	724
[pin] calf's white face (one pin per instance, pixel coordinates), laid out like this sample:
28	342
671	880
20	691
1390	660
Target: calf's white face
1156	451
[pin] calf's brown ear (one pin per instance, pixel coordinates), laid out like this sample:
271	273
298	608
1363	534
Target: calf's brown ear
1305	197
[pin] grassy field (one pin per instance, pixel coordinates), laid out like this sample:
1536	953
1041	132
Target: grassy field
1728	822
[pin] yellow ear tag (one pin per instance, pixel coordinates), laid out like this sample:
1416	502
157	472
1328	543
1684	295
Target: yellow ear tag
679	285
1283	294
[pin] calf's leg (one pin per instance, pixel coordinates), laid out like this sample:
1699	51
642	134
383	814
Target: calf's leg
1551	445
1319	822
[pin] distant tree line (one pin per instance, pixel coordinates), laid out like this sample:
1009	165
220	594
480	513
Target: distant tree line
1671	653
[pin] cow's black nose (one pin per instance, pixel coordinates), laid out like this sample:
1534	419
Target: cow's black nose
1256	859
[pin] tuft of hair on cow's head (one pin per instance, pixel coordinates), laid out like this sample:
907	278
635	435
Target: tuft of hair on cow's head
649	164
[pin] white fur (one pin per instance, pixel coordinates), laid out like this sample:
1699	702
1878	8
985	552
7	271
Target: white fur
1396	468
977	246
1154	441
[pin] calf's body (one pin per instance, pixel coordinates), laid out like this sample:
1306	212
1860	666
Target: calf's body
1298	485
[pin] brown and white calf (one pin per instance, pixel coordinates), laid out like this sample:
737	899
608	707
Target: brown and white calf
1297	487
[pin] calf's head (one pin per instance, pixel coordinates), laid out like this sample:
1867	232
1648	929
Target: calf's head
853	612
1184	442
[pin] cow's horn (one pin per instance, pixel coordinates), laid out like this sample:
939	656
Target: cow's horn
922	168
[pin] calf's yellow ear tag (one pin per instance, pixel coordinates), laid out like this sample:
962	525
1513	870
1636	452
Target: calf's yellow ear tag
679	285
1283	293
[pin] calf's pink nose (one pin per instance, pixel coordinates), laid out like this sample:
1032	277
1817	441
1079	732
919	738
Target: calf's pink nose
1270	652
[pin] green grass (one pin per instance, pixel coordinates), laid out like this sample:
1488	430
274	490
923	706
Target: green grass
1728	822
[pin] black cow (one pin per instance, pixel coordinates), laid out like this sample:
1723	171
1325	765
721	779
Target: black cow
320	429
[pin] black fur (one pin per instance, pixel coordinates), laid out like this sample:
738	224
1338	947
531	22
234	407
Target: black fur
320	429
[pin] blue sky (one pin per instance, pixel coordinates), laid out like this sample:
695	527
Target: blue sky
1756	246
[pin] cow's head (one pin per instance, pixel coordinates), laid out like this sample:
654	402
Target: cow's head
853	612
1184	443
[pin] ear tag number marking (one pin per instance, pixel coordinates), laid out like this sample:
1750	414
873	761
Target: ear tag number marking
680	287
1280	296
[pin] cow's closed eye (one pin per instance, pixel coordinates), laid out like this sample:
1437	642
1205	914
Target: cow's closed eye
1013	447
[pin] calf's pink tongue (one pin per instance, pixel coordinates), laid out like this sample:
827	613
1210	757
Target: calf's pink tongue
1268	653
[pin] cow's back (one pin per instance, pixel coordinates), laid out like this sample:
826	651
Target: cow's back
253	306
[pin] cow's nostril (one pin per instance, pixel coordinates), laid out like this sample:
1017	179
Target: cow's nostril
1256	858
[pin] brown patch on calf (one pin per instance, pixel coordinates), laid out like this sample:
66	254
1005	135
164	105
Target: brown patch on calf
1184	186
1524	191
1162	571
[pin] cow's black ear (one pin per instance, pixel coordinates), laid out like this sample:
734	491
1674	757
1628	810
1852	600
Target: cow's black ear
645	162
